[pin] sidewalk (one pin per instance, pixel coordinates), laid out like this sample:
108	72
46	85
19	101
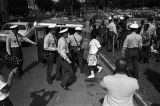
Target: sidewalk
149	77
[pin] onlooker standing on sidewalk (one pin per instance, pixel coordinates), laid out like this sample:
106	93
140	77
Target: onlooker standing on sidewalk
50	45
131	47
94	48
13	45
63	50
146	39
112	33
5	88
75	42
120	88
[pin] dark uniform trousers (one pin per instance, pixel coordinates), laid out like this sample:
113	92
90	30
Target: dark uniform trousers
110	40
67	72
58	74
77	57
17	51
146	51
6	102
51	59
132	59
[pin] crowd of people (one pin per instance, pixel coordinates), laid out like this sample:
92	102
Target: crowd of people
65	48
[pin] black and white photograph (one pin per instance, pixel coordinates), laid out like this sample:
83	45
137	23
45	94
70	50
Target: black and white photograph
79	52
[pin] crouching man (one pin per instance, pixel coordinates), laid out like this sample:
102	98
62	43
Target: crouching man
120	88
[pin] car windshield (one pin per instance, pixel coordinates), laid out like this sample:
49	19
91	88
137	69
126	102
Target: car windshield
7	27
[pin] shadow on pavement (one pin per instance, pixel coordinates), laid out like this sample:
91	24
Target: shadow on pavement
155	104
41	97
32	65
154	78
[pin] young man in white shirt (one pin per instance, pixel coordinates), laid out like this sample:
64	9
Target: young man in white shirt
94	48
120	88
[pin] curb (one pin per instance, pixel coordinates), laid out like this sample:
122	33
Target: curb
136	96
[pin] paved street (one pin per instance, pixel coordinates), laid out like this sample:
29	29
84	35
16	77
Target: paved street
33	89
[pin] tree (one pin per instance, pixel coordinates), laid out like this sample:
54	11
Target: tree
45	5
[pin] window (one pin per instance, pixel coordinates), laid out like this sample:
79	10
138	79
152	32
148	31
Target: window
7	27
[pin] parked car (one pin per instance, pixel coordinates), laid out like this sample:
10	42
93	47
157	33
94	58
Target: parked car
25	28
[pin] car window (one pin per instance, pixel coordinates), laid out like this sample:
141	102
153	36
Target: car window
7	27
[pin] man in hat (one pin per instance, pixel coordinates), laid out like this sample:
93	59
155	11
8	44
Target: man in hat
75	42
63	50
13	45
131	47
50	45
112	32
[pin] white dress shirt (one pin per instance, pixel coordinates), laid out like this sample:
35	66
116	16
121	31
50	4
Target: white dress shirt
50	42
120	90
74	39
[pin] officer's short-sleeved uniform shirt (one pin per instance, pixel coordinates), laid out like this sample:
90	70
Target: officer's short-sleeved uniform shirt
74	39
12	41
133	41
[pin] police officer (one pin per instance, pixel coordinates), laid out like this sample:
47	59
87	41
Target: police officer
63	50
112	32
76	42
50	45
131	47
146	40
13	45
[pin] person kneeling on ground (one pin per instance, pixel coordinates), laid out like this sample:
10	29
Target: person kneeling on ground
5	88
120	88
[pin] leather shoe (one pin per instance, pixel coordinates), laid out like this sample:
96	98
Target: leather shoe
64	87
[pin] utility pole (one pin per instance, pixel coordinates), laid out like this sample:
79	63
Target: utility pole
72	8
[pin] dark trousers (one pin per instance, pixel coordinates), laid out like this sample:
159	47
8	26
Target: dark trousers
17	51
6	102
146	55
67	72
110	40
77	57
58	74
50	62
132	59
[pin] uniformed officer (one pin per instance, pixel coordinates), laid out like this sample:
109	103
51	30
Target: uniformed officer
112	32
13	45
63	50
50	45
75	42
131	48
